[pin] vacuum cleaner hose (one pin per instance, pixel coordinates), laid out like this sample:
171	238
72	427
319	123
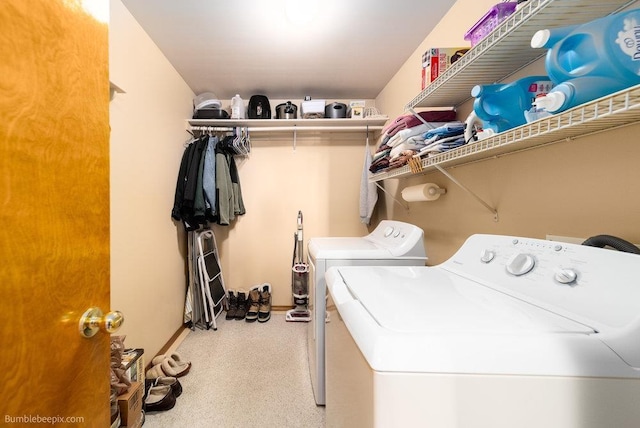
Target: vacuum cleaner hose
612	241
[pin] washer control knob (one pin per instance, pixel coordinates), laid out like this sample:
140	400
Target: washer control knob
565	275
520	263
388	231
486	256
395	235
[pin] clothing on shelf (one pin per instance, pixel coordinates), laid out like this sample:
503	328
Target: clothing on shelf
408	136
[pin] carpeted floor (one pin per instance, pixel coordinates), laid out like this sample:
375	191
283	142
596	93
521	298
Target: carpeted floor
245	375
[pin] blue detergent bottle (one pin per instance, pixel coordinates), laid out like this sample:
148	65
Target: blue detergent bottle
590	60
501	107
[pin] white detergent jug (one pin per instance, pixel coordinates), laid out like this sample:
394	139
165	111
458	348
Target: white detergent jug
237	107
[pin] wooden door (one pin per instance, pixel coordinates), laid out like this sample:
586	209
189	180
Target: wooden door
54	212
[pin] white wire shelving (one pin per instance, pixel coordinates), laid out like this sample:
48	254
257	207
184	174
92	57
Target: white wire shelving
507	49
503	52
615	110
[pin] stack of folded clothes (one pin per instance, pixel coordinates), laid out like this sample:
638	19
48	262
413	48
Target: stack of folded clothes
408	136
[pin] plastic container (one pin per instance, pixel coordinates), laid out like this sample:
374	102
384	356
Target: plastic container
489	22
590	60
501	107
312	106
206	100
237	107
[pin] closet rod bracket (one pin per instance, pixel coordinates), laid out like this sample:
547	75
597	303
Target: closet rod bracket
466	189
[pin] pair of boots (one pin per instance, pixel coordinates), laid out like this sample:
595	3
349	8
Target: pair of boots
256	305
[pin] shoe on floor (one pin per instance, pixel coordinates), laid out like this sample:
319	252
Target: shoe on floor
233	306
241	312
254	305
173	368
174	383
264	311
158	359
159	398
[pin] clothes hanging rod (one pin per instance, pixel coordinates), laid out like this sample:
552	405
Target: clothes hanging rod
289	128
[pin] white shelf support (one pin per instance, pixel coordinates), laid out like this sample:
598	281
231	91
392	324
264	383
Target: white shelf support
466	189
405	206
295	137
420	118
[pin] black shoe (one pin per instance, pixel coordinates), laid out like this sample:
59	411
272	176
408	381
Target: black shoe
254	305
159	398
233	306
241	312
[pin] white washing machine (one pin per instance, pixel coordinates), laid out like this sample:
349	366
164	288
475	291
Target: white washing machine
390	243
509	332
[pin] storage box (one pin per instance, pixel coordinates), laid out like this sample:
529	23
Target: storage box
130	404
436	60
133	361
357	109
489	22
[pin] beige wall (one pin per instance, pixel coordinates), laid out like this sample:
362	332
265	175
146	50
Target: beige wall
147	132
580	188
320	177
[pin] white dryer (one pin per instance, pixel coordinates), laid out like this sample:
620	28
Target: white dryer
509	332
390	243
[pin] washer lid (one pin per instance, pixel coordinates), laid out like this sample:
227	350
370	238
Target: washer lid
430	299
426	320
346	248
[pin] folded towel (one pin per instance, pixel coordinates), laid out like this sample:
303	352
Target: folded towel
368	191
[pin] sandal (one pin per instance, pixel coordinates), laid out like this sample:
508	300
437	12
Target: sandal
175	369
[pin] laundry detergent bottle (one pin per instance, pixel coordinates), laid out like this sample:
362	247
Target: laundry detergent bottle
501	107
591	60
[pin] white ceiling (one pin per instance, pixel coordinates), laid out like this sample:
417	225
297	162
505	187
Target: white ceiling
350	48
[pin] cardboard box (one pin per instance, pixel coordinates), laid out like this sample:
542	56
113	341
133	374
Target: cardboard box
130	404
436	60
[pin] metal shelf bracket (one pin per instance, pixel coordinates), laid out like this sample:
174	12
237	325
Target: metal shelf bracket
466	189
405	206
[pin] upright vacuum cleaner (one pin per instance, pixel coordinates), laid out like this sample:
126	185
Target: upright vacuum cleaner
299	279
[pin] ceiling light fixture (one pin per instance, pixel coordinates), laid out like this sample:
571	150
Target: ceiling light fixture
300	12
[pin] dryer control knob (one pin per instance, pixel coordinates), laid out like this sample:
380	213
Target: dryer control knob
486	256
564	275
520	263
388	231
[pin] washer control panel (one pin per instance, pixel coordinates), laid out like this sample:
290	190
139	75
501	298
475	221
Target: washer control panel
399	238
592	285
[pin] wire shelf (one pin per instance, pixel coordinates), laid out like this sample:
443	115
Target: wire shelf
615	110
507	48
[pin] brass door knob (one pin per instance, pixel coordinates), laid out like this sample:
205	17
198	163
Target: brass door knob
93	320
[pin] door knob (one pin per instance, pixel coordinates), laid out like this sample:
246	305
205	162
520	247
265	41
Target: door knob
93	320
